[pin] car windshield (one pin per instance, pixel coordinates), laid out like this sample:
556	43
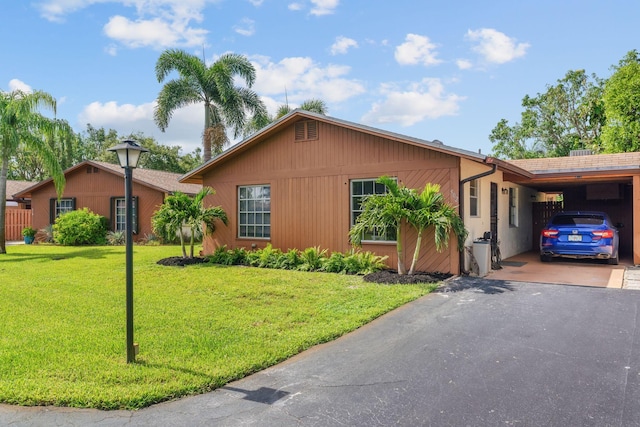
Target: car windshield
582	219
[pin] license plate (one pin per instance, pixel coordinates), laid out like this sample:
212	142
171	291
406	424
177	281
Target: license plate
574	238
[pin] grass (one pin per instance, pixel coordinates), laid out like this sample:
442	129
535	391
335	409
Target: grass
62	323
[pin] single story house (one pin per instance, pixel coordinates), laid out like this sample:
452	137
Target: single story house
297	183
99	186
18	210
15	187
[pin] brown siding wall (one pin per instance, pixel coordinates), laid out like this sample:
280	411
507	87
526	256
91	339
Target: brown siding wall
310	191
94	191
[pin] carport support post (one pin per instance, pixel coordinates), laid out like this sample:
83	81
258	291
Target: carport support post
636	219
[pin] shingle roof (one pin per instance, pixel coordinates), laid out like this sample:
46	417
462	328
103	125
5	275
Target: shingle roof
594	162
14	187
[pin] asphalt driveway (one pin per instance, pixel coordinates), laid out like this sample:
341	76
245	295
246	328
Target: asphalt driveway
481	353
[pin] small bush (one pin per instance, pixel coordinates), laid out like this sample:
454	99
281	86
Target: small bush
45	235
312	259
335	263
150	240
116	238
80	227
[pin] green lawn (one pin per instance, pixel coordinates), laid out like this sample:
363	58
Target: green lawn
62	323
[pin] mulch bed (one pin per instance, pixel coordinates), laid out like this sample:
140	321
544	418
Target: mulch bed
392	277
178	261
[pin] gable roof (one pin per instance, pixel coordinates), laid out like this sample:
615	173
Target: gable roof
166	182
195	176
15	187
570	165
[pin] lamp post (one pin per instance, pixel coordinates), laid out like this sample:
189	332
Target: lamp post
128	155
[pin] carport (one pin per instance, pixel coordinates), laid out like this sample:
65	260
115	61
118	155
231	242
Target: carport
602	182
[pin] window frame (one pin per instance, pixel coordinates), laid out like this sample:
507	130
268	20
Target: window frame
55	210
113	209
253	214
474	198
513	207
376	238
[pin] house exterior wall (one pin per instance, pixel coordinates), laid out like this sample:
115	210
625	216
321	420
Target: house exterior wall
94	191
310	190
513	239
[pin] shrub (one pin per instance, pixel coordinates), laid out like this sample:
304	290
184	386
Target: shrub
45	235
150	240
115	238
80	227
29	232
335	263
312	259
224	256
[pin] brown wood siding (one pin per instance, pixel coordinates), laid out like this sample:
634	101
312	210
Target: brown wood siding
94	191
15	220
310	189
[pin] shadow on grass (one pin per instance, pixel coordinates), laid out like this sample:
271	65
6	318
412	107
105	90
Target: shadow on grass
464	283
89	252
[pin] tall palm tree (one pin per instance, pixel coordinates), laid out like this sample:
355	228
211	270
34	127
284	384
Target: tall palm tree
22	124
255	124
225	104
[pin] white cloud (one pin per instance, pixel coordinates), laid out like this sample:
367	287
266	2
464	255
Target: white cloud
185	127
303	79
159	23
417	49
246	27
464	64
496	47
324	7
342	45
295	6
426	99
15	84
256	2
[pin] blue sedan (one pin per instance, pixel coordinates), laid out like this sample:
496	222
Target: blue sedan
578	234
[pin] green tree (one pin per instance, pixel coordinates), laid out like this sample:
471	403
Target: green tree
429	210
180	212
22	125
622	105
258	122
225	104
568	116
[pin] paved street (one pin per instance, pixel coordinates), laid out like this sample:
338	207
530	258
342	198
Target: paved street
482	353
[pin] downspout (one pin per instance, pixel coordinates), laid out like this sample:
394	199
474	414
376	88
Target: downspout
461	201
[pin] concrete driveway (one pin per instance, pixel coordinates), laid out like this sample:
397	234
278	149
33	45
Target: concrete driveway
479	353
527	267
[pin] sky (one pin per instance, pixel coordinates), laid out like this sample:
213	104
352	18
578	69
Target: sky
445	70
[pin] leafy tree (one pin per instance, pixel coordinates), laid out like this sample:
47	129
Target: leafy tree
622	104
258	122
568	116
180	211
225	104
22	125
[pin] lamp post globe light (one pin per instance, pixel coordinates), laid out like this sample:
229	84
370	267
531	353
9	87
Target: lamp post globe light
128	154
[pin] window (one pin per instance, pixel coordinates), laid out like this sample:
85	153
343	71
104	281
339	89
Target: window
119	214
306	130
58	207
254	211
359	189
513	207
474	197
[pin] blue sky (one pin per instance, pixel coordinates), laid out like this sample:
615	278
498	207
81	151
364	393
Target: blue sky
446	70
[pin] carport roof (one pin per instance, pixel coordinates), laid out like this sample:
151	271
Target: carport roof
595	163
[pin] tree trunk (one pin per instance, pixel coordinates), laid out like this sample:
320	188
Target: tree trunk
3	202
206	135
184	249
399	246
416	253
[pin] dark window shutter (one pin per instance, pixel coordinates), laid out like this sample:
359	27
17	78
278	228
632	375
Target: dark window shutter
112	213
52	211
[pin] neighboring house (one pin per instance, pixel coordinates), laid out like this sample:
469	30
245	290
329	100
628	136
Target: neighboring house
15	187
99	187
297	183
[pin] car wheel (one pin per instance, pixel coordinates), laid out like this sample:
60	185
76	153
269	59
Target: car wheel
545	258
615	260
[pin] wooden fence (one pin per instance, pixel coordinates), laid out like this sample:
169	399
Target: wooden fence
15	221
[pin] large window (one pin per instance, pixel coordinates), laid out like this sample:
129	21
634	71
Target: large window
58	207
254	211
359	189
119	214
474	197
513	207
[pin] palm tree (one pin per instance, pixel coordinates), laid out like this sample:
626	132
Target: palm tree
21	124
258	122
225	104
180	211
429	209
381	212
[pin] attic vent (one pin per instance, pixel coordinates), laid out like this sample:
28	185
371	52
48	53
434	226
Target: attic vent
92	169
574	153
306	130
